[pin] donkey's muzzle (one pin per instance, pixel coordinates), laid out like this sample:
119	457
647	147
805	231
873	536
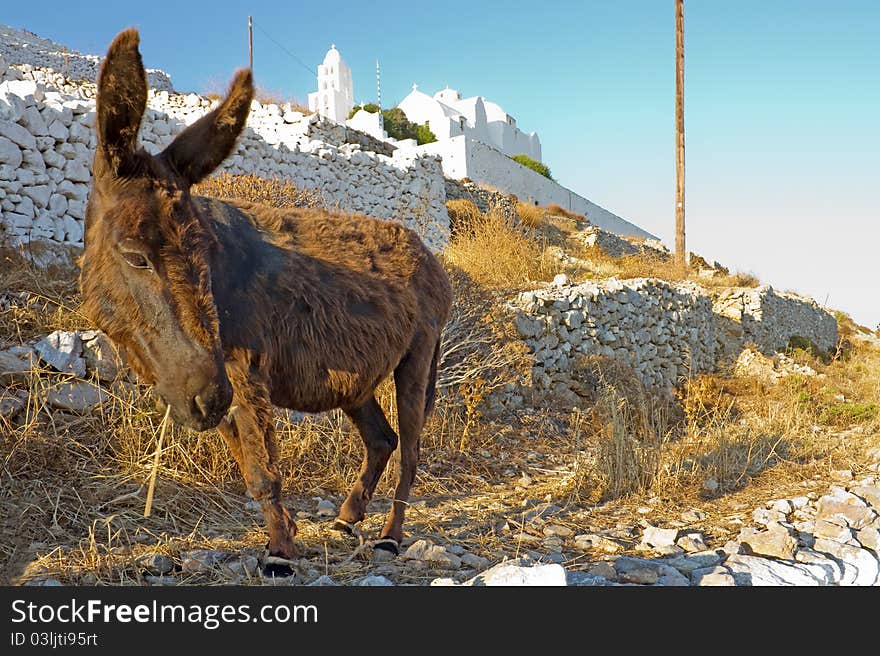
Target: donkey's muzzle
209	406
202	402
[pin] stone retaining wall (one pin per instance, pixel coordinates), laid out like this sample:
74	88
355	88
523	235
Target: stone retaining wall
769	319
29	51
47	143
663	330
484	199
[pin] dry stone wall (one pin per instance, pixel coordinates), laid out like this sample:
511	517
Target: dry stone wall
484	199
663	330
29	51
47	143
770	319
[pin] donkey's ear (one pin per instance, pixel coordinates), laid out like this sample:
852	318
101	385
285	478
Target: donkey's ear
203	146
122	98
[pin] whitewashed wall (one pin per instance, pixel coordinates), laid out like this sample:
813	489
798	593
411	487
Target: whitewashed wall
466	158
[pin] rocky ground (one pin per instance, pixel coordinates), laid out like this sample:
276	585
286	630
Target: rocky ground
513	529
810	539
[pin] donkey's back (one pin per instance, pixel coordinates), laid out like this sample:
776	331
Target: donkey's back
334	301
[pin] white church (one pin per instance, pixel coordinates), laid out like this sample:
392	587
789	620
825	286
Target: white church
449	115
335	95
476	139
446	113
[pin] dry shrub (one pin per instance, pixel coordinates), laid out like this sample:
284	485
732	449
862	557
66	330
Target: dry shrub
275	192
530	215
479	340
558	210
463	215
480	351
35	301
499	255
630	426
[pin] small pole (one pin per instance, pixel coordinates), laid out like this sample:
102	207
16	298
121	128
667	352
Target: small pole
251	42
378	88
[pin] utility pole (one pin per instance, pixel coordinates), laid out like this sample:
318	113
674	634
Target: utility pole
251	42
680	252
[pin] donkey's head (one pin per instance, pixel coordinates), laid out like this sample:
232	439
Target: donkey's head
146	276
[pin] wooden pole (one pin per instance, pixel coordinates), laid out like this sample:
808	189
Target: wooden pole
251	42
680	252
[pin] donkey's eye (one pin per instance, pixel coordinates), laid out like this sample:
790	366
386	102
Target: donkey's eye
136	259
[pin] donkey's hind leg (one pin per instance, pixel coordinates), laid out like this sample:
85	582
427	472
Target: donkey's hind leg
380	440
414	383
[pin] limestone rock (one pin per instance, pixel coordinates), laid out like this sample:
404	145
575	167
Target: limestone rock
510	574
776	542
15	368
325	508
692	543
62	350
474	561
11	404
79	396
752	570
156	564
323	580
713	576
659	537
373	580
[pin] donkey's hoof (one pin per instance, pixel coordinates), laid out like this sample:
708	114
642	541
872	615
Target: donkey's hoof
387	544
344	527
277	571
277	567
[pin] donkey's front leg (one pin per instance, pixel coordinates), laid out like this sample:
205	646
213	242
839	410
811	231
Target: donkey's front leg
249	432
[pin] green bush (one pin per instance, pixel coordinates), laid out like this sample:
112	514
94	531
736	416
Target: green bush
397	125
369	107
424	135
845	414
537	167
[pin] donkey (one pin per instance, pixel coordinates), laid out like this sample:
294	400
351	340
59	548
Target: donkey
229	307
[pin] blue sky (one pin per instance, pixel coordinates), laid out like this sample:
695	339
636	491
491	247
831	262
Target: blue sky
782	103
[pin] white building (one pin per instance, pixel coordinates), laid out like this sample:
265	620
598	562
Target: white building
449	115
369	122
335	95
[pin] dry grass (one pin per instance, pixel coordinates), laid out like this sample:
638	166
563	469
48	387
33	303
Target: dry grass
530	215
35	301
499	255
723	435
275	192
463	215
558	210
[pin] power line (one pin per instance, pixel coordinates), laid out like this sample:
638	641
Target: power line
285	50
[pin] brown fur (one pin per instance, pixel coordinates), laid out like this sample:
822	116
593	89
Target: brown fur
229	307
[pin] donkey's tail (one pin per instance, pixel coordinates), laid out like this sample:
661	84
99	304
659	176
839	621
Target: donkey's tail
431	390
